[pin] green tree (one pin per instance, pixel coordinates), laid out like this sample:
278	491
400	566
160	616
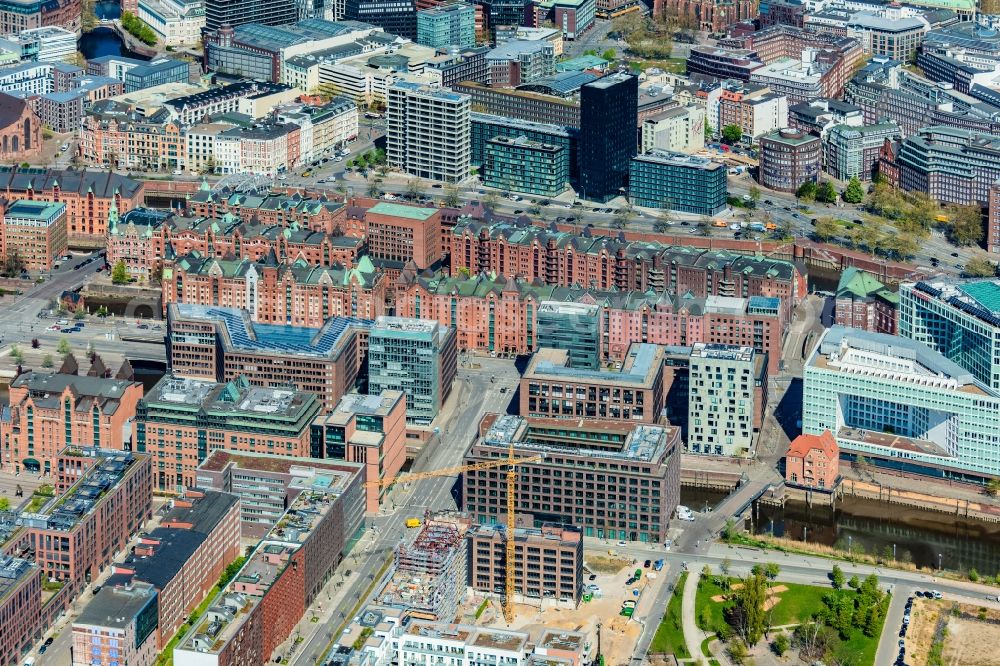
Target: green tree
825	193
13	264
854	582
781	644
825	229
993	489
854	193
623	216
47	361
705	618
64	347
16	354
119	274
732	134
771	570
451	196
901	244
966	226
973	575
806	191
886	201
747	615
609	55
754	194
708	132
979	267
738	651
138	28
837	577
413	188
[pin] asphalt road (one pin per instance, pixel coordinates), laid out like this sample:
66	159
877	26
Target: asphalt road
477	394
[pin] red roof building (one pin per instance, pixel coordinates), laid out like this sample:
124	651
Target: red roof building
813	461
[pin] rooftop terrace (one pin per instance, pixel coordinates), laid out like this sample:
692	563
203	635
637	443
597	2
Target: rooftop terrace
81	498
641	364
618	441
232	606
244	335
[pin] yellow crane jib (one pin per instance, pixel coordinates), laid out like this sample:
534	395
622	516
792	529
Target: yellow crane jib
510	462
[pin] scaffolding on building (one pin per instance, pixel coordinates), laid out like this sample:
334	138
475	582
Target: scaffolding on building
431	572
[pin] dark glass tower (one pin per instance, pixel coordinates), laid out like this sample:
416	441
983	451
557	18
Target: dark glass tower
237	12
397	17
608	128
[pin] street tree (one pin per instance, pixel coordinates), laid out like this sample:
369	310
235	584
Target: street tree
413	188
490	199
825	229
806	191
854	193
119	274
732	134
47	361
754	194
825	193
992	487
374	186
979	267
966	225
837	577
64	347
13	264
451	196
623	216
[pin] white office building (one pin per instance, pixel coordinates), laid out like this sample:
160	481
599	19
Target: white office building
721	399
428	132
902	405
959	319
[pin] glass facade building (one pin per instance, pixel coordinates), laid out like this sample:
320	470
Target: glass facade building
398	17
522	165
676	181
959	321
608	135
902	405
238	12
485	126
415	356
573	327
447	25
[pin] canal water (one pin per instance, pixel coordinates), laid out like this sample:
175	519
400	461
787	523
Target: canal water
922	537
103	41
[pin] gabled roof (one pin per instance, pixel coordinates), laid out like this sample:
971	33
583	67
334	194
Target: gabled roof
803	444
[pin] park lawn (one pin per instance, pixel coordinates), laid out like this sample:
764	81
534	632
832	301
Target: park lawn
669	637
799	603
708	588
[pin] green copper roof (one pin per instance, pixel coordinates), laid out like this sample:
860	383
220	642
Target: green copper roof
986	293
860	284
399	210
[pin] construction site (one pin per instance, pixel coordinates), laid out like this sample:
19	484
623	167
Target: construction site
431	573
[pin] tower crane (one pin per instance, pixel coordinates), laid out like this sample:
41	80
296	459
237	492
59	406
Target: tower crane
510	462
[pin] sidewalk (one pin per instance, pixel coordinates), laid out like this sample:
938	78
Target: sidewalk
693	636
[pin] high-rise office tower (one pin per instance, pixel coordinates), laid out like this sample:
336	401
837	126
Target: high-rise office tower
398	17
608	135
238	12
428	132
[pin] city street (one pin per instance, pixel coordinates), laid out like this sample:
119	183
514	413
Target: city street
474	394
